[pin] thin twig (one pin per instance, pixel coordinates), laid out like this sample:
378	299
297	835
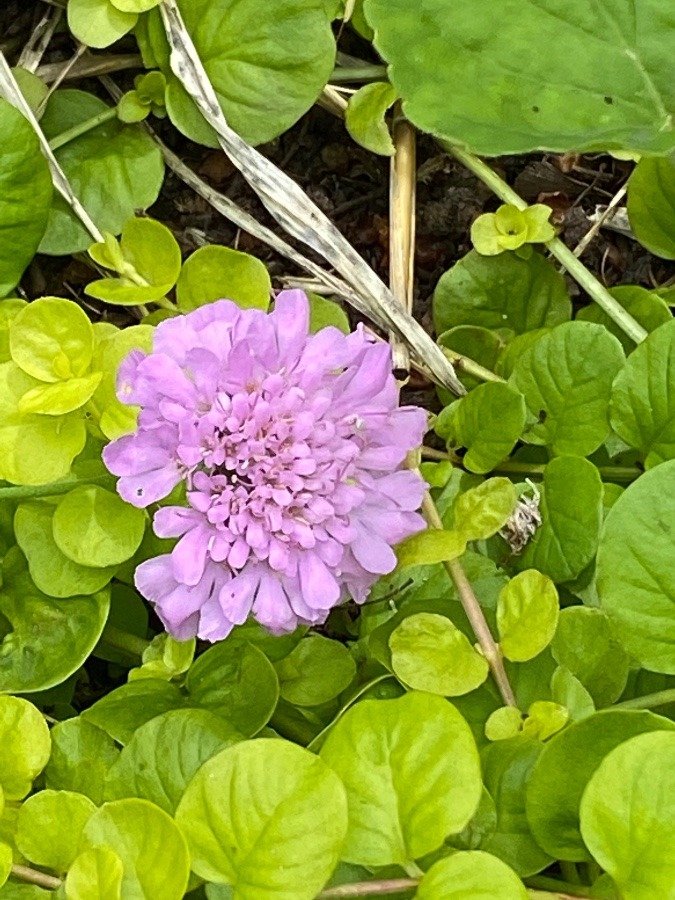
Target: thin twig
369	888
294	210
599	222
402	180
88	66
473	611
33	876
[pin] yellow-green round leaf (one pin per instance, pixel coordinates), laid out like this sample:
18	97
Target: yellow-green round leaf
52	339
429	653
365	117
95	875
50	826
431	546
266	816
60	398
152	848
628	816
527	615
24	745
97	23
219	273
95	527
481	511
471	875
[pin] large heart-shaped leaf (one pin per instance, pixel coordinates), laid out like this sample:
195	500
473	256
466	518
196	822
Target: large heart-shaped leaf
267	62
25	195
547	75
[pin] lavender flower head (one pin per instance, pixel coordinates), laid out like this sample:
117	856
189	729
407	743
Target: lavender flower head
291	447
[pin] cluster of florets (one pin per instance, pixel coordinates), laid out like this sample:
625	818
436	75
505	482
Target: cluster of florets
291	447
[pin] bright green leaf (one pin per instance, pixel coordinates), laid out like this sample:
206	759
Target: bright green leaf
481	511
651	205
95	527
430	546
236	682
152	250
53	573
115	169
501	292
126	708
97	23
124	292
25	195
412	775
585	645
324	313
60	398
6	861
429	653
117	418
504	723
165	657
568	691
315	671
527	615
95	875
365	117
510	228
571	510
601	83
471	874
81	756
544	719
215	273
636	569
647	308
628	815
45	640
566	378
52	339
488	422
149	843
268	64
564	768
24	745
642	407
266	816
164	754
50	826
135	6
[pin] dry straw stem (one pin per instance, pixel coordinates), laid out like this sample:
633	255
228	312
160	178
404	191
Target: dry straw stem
293	209
9	89
34	49
473	610
402	181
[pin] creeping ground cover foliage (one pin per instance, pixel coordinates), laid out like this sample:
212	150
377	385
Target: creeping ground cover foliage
331	572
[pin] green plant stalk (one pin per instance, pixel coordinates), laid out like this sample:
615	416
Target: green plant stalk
123	640
81	128
358	73
369	888
552	884
33	491
473	610
471	367
562	253
649	701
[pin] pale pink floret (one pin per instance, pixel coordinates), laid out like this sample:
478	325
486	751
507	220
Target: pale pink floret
291	447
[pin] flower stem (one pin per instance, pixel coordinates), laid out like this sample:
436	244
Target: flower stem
33	491
552	884
123	640
473	611
660	698
25	873
81	128
369	888
562	253
358	73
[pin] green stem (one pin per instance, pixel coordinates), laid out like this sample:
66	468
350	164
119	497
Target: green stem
473	610
558	887
291	728
562	253
33	876
471	367
31	491
623	474
660	698
83	127
123	640
358	73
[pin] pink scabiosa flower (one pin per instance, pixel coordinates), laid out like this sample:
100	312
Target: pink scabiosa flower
291	447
